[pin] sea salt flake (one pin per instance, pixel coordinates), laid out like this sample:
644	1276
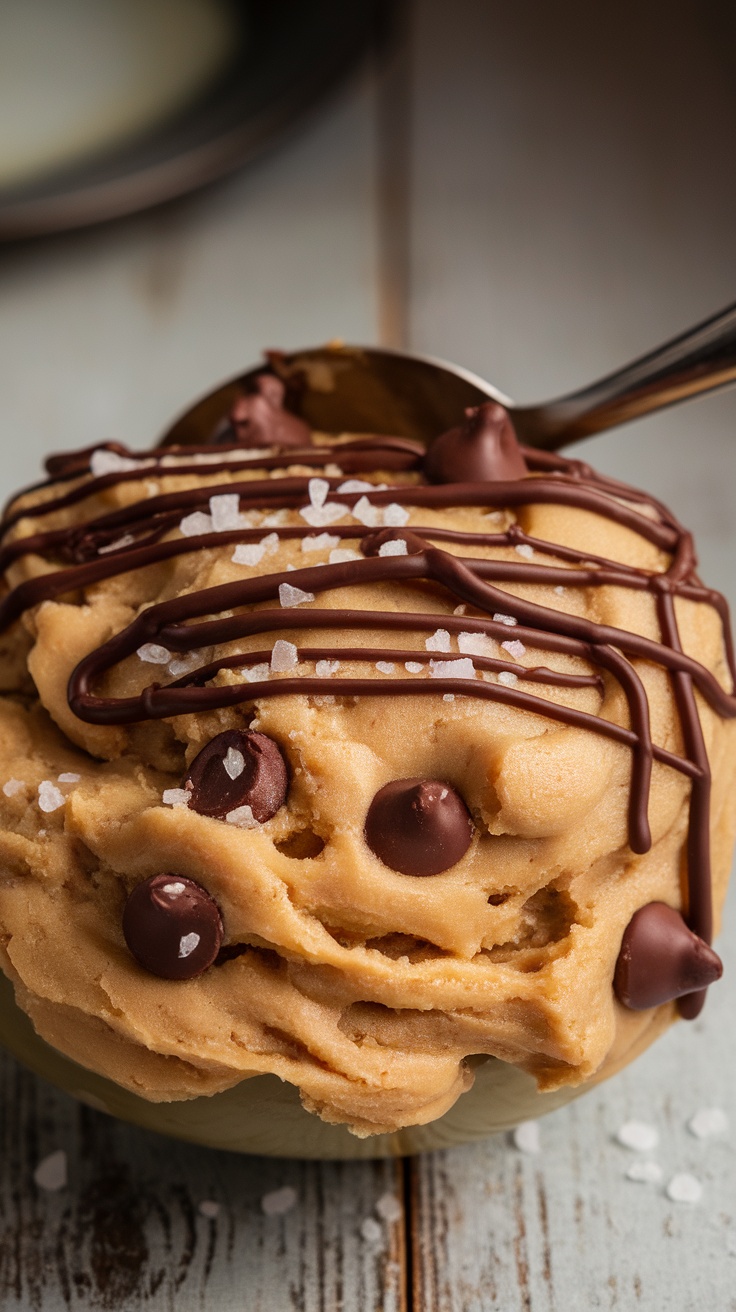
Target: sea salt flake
13	787
257	673
68	777
126	540
276	519
414	667
462	668
389	1208
279	1201
320	542
508	678
526	1137
51	1172
638	1136
385	667
448	697
476	644
209	1208
438	641
341	555
225	511
504	619
559	590
248	553
644	1172
187	944
175	888
321	516
514	648
355	485
318	489
50	798
109	462
154	654
707	1122
525	550
323	669
184	664
365	513
234	763
270	543
191	526
684	1188
397	547
284	656
371	1231
395	516
175	797
289	595
242	817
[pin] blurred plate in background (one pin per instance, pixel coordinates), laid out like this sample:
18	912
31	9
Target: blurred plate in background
107	108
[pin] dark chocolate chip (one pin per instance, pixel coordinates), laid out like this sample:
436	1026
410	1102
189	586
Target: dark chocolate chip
418	826
258	418
372	542
261	783
661	959
172	926
482	449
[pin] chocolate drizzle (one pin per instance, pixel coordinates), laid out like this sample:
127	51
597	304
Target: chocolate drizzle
133	537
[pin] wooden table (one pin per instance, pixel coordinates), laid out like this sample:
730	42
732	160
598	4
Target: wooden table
538	192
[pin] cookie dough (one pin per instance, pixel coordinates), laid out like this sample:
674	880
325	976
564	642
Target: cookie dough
318	763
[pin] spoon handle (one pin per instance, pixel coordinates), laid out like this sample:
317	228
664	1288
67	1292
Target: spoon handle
700	360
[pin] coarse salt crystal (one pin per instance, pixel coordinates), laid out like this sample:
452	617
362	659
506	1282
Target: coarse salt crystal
321	516
289	595
365	513
638	1136
389	1208
279	1201
191	526
50	798
154	654
448	697
320	542
707	1122
462	668
184	664
395	516
68	777
248	553
175	797
525	550
559	590
342	554
13	787
323	669
644	1172
51	1172
414	667
109	462
126	540
684	1188
508	678
504	619
187	944
318	489
355	485
257	673
438	641
385	667
284	656
270	543
514	648
234	763
209	1208
242	817
526	1137
475	644
225	511
371	1231
175	888
397	547
276	519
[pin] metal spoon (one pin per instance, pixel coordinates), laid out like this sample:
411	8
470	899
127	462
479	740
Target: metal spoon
364	389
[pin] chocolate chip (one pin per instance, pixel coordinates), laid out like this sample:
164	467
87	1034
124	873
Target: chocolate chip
418	826
661	959
482	449
258	418
172	926
238	768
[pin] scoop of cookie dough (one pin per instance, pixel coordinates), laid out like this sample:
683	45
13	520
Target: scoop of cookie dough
318	764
